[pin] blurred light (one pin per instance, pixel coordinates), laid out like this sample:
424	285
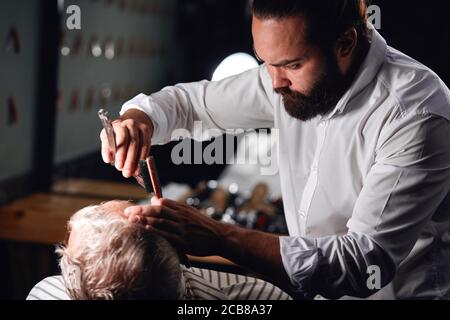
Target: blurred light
227	218
109	50
212	184
233	188
234	64
65	51
106	92
96	50
190	201
210	211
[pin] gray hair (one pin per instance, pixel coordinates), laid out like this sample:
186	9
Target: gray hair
113	259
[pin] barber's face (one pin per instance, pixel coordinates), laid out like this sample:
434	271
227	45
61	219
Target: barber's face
308	79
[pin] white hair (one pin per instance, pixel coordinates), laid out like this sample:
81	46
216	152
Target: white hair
112	258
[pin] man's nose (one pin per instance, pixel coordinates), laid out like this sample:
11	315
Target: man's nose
279	80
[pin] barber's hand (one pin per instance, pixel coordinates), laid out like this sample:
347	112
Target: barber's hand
186	228
133	132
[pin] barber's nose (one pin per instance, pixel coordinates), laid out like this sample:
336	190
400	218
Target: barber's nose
279	80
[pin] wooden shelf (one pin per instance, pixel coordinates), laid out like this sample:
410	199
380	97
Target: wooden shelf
100	189
39	218
42	218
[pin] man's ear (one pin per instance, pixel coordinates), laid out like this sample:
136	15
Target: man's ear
346	43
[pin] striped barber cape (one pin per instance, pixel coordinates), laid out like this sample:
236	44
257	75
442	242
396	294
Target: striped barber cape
200	284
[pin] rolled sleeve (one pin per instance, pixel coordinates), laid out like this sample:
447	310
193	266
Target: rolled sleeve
244	101
300	258
333	266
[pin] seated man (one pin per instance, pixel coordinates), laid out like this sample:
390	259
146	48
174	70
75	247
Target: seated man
109	258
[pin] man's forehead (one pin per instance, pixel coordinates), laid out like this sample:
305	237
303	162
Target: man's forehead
77	224
291	28
116	206
278	40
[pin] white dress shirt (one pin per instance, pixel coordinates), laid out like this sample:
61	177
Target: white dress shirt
365	185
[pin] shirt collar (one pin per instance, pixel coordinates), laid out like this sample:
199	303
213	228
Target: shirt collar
367	72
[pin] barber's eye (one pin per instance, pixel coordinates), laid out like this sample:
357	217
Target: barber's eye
294	66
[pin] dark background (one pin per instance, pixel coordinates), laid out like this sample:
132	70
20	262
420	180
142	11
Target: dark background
206	32
210	30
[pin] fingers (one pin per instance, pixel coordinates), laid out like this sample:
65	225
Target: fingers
152	211
130	146
130	164
133	141
158	223
163	225
138	219
106	153
146	142
122	141
167	203
168	229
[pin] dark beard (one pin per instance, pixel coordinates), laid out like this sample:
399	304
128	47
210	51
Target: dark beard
322	98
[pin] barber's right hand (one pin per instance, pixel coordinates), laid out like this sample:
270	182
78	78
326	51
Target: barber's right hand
133	131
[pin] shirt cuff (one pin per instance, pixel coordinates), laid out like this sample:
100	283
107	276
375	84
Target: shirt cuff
143	103
300	258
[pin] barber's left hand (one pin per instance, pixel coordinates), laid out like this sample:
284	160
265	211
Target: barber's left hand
186	228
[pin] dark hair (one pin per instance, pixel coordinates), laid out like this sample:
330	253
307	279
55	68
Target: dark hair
326	20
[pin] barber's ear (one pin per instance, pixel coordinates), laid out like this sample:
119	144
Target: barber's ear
346	43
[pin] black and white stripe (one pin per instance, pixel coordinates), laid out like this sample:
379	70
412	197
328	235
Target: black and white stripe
201	284
234	286
51	288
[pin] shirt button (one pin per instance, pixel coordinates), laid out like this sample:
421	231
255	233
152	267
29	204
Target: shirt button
302	214
314	169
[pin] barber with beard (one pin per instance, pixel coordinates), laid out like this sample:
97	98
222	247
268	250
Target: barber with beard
363	154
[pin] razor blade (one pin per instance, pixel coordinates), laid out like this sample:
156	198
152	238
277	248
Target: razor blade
107	125
148	177
154	176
